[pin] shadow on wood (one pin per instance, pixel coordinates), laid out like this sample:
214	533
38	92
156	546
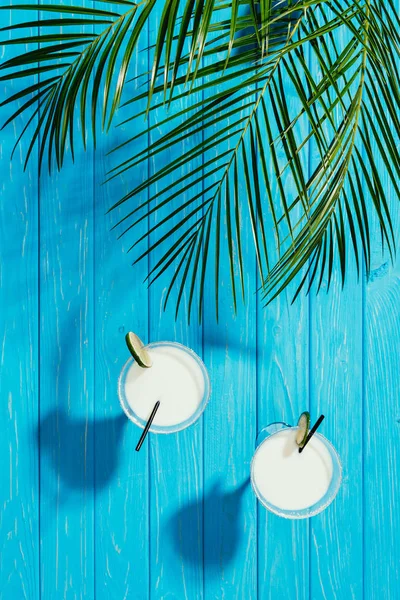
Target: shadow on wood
67	443
220	543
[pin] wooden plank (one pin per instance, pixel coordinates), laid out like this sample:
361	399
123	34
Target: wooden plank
176	493
230	508
66	374
121	305
230	511
283	393
336	390
66	407
176	474
381	429
282	350
19	462
381	417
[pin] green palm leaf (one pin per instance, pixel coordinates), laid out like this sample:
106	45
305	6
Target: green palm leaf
332	115
103	54
232	64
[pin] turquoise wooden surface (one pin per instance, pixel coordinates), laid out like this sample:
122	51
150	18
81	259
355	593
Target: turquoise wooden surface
84	516
19	371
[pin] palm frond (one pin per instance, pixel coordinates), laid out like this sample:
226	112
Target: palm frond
97	59
229	68
264	143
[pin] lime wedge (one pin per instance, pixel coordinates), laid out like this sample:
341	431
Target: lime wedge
136	348
303	425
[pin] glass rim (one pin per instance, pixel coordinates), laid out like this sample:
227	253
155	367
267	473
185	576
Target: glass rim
317	507
165	429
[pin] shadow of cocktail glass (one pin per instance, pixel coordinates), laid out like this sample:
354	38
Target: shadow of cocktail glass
223	527
67	445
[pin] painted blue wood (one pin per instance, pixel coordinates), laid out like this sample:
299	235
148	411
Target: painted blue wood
336	339
336	390
283	393
19	357
66	391
121	516
381	449
230	510
67	379
176	460
93	519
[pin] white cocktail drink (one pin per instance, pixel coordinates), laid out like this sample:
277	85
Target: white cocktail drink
287	481
177	378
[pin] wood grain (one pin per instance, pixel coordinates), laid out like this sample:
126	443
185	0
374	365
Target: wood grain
90	518
67	379
336	390
176	460
230	510
381	448
121	516
19	357
283	393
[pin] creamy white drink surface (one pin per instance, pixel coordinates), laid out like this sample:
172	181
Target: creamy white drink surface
288	479
175	379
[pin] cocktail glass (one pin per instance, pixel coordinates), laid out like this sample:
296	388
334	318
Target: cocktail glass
170	387
329	455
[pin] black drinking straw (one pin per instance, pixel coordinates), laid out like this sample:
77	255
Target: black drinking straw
312	431
148	425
